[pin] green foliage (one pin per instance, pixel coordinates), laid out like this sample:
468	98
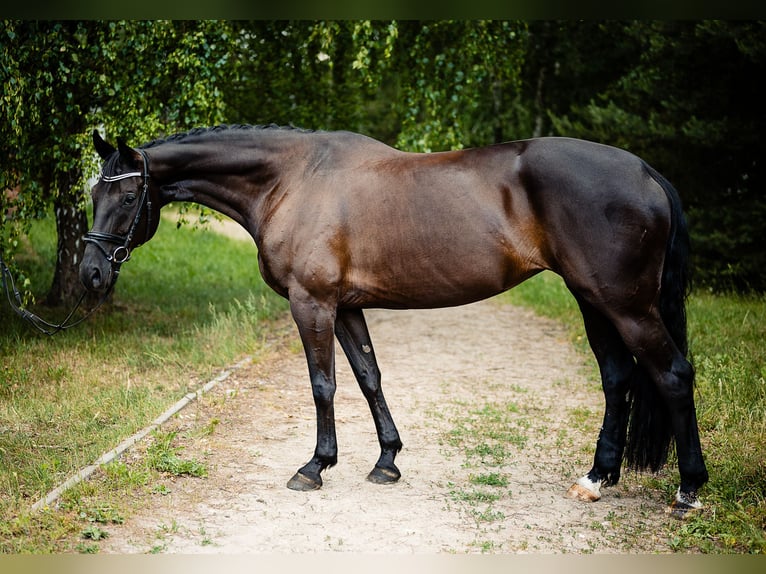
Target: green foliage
422	86
62	79
455	80
727	334
314	74
162	77
40	96
491	479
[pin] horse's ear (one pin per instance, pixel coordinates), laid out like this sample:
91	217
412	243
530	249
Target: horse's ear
127	153
103	148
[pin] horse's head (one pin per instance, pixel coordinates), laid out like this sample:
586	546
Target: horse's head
125	213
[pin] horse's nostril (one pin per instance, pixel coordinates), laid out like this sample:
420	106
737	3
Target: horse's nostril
95	278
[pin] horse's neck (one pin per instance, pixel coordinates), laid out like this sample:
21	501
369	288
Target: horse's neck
230	182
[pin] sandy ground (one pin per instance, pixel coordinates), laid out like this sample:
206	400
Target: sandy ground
440	368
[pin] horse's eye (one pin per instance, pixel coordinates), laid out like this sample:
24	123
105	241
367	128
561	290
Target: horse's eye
129	199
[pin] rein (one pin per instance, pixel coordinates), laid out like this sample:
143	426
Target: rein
36	321
117	257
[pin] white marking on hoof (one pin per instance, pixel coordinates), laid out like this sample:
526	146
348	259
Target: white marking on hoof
366	348
684	505
585	489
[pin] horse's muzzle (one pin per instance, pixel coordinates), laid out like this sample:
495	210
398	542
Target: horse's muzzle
95	270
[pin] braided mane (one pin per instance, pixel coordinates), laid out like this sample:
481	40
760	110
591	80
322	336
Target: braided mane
221	129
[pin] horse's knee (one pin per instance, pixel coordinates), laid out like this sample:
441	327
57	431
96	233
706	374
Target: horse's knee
323	390
684	370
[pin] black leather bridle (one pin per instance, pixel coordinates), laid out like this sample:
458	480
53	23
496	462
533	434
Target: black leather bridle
121	253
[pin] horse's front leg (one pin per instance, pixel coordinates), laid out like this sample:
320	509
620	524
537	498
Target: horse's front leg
351	330
315	323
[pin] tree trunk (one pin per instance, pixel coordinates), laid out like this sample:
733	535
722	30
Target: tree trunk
71	225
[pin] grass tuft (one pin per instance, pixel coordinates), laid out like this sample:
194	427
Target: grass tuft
162	456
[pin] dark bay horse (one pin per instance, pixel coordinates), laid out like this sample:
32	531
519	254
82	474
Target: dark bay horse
343	222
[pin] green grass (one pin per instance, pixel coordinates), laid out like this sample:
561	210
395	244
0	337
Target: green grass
489	435
727	336
188	304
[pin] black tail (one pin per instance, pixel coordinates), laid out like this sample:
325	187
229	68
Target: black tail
649	432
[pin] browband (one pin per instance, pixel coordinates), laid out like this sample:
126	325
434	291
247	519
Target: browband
111	178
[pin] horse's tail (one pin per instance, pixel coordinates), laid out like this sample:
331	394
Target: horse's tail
650	432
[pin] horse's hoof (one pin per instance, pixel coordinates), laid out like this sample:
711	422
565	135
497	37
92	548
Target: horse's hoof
303	483
684	506
682	511
383	475
585	490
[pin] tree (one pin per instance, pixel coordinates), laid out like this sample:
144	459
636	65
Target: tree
41	97
568	62
457	79
312	74
419	85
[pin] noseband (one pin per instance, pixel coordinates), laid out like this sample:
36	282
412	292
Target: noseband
121	253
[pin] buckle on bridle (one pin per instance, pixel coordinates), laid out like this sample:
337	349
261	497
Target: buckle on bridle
120	255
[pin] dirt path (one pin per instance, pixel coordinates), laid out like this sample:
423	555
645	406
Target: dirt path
452	377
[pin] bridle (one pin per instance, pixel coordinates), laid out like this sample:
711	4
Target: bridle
116	257
121	253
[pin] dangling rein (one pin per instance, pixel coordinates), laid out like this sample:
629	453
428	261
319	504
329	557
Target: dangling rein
36	321
120	255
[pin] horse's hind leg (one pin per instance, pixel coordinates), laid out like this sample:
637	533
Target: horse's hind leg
617	365
650	342
351	331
